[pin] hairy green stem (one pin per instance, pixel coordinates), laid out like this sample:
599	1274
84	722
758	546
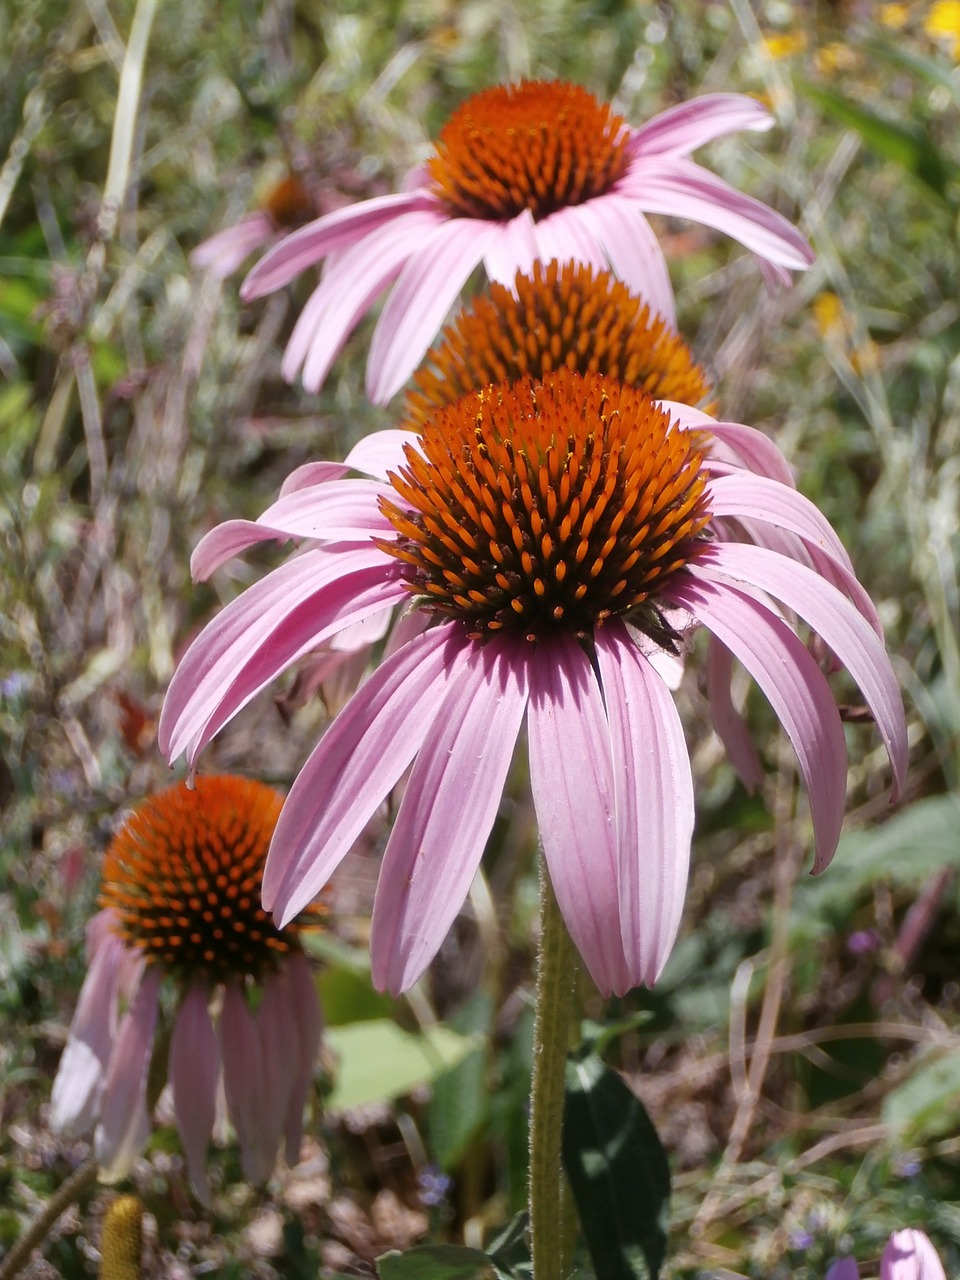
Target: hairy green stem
38	1230
556	979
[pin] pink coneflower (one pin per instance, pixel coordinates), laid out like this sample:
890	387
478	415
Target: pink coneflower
548	536
181	909
287	206
525	172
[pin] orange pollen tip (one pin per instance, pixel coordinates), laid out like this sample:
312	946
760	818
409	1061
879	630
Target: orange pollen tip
540	145
589	496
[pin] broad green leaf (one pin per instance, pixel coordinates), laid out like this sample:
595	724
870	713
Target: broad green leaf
348	996
435	1262
617	1169
461	1096
912	150
377	1060
928	1104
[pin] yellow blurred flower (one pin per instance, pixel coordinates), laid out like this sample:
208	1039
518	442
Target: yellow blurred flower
836	56
785	44
943	22
829	316
893	15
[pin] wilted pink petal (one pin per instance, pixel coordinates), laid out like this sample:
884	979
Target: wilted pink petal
194	1073
308	1020
843	1269
124	1123
244	1080
225	251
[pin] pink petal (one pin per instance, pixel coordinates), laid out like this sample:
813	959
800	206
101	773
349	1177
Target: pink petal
795	688
909	1255
356	763
78	1086
757	498
312	473
447	812
260	633
347	511
571	777
124	1124
566	236
337	230
419	301
843	1269
632	250
224	252
381	451
683	128
277	1028
241	1051
194	1074
99	928
838	622
349	286
513	249
753	450
308	1019
226	540
654	797
683	189
727	721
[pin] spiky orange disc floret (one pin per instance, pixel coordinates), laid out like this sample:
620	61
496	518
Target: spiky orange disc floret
182	877
539	145
566	316
538	507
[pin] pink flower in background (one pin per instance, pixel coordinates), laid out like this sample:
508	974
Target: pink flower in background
180	897
288	205
521	173
907	1255
551	538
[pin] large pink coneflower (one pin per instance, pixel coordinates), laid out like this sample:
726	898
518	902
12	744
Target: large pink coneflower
182	916
548	537
525	172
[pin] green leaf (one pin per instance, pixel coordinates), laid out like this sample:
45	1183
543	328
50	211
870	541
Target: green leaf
928	1104
617	1169
435	1262
912	150
348	996
376	1060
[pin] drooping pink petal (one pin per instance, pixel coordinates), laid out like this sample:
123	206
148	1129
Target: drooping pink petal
337	230
654	801
564	235
356	763
571	777
124	1124
99	927
683	189
757	498
752	449
194	1074
727	720
447	812
260	633
277	1028
689	125
351	282
839	624
795	688
633	251
308	1019
380	452
226	540
225	251
843	1269
909	1255
348	511
418	303
513	249
241	1050
312	473
78	1086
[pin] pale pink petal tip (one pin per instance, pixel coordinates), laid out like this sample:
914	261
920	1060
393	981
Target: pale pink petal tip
910	1255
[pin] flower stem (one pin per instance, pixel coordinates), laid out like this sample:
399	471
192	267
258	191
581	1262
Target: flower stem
556	978
36	1233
